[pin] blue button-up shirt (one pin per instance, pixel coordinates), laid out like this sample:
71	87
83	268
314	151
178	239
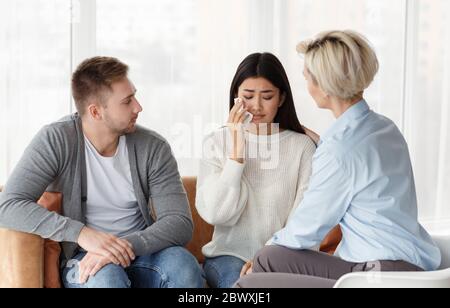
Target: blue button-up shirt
362	180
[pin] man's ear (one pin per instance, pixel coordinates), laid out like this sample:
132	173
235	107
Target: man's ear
93	111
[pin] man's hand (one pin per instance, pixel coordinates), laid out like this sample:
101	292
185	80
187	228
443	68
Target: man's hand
116	250
90	265
247	269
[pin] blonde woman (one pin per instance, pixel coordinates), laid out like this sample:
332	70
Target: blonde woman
362	180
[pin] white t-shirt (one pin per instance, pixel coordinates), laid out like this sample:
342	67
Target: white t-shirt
111	202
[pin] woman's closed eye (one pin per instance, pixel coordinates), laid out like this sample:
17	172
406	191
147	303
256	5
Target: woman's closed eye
265	98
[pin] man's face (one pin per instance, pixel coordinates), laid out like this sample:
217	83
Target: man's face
122	108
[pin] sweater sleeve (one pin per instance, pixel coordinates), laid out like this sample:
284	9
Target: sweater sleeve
222	193
35	171
169	207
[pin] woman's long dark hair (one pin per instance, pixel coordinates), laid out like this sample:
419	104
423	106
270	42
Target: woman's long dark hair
267	66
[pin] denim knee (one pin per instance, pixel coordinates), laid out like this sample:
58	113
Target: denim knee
110	276
176	268
184	272
222	271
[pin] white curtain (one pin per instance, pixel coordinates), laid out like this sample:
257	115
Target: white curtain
34	72
427	110
183	55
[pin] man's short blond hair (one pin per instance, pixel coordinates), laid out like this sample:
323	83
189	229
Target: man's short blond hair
342	63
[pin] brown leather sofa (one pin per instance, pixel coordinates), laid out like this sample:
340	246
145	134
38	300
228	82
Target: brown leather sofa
25	261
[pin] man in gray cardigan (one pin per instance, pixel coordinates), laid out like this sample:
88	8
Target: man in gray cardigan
125	216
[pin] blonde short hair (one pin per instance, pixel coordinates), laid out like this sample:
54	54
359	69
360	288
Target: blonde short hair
342	63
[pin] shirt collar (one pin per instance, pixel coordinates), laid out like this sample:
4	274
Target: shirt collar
353	113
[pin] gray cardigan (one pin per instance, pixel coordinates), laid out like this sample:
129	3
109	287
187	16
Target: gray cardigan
55	162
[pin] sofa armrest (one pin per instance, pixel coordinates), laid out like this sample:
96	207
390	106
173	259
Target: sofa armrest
21	260
22	255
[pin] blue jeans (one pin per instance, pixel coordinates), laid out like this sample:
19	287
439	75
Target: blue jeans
222	272
173	267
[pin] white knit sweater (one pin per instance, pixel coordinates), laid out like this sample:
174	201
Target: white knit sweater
247	203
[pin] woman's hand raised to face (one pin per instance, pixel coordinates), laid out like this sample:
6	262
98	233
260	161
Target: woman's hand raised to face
237	130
